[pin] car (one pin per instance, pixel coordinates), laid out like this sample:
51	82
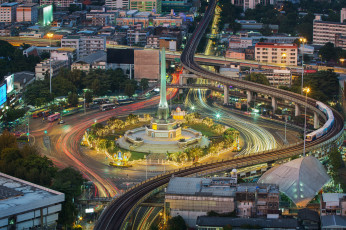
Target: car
61	122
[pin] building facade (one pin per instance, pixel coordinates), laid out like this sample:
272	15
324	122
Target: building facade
27	13
8	12
84	45
146	5
58	3
42	69
25	205
117	4
193	197
324	32
147	64
333	204
255	200
277	53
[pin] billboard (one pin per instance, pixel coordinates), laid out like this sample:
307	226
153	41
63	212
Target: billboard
45	14
9	82
3	95
120	56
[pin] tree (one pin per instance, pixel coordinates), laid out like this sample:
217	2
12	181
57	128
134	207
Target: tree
68	181
72	99
176	223
129	90
258	78
328	52
144	83
88	97
13	114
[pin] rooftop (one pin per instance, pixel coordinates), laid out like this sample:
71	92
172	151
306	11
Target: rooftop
28	5
239	222
333	221
299	179
97	56
200	186
9	4
18	195
332	197
20	76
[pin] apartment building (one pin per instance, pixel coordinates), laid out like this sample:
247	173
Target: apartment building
167	21
333	204
255	200
27	13
342	15
136	37
84	45
153	41
251	4
100	20
146	5
276	53
324	32
132	21
96	60
235	53
42	69
8	12
117	4
57	3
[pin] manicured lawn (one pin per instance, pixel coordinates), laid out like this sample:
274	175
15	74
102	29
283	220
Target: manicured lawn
134	155
205	130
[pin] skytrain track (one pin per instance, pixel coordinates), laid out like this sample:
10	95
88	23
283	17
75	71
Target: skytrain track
114	216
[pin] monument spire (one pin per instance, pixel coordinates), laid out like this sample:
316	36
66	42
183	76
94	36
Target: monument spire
163	111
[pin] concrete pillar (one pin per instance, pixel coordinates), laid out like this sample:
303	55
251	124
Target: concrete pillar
274	104
248	96
225	94
296	110
316	121
181	80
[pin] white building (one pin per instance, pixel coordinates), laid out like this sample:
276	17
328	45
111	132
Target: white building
25	205
324	32
117	4
342	15
277	53
43	68
84	45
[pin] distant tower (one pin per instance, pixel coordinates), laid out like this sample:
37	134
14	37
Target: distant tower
163	111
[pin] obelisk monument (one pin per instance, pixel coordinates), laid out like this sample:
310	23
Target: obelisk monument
163	110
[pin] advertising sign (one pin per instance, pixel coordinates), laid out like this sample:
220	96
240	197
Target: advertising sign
9	82
3	95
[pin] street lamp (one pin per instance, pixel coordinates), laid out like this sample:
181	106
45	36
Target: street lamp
342	61
306	90
302	40
50	35
218	115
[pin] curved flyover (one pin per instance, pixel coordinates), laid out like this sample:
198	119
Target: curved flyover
114	216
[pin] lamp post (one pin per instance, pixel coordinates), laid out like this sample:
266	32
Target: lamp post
302	40
50	35
342	61
306	90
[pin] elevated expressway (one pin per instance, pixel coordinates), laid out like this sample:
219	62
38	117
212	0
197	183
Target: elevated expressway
116	214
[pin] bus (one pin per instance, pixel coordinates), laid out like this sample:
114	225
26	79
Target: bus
46	113
124	101
37	113
100	101
105	107
70	111
54	117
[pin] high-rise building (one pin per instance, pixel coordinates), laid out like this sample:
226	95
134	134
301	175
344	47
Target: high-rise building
117	4
45	14
57	3
84	45
146	5
324	32
276	53
342	15
251	4
27	13
8	12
